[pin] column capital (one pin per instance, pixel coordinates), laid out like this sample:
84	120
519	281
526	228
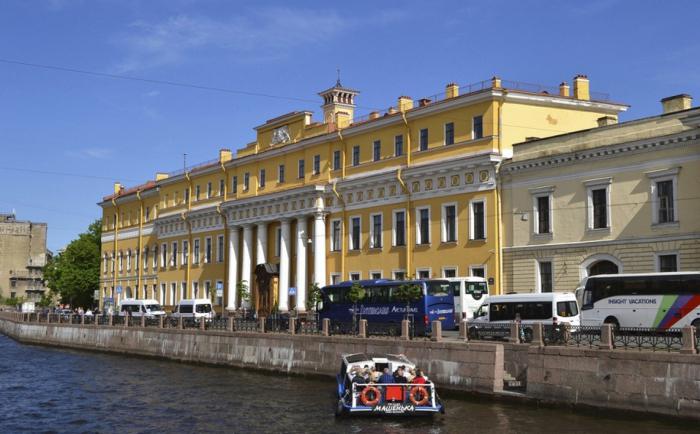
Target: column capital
320	215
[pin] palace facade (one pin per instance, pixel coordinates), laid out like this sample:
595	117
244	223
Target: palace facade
409	192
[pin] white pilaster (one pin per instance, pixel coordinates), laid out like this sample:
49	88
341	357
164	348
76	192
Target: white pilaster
320	249
261	243
284	267
246	260
301	264
232	268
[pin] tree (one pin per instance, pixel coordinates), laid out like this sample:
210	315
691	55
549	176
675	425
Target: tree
407	293
243	291
356	294
313	296
75	273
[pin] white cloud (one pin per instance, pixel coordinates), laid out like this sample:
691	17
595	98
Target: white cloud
264	34
96	153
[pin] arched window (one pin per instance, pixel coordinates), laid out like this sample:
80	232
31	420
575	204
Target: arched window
602	267
600	263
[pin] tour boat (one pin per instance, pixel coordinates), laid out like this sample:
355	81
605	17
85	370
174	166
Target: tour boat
373	396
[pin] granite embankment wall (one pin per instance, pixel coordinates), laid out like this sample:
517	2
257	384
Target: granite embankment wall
655	382
473	367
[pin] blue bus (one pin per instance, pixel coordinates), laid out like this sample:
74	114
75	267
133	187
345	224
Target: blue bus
381	308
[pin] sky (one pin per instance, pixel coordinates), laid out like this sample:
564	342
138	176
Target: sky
66	136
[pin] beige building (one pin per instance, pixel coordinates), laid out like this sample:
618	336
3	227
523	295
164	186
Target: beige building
613	199
23	255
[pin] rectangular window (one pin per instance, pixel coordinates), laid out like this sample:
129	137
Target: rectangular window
400	228
542	221
222	184
234	184
377	150
423	227
163	255
449	133
207	250
145	258
449	223
220	249
375	275
477	127
399	274
667	263
599	199
423	139
545	270
278	242
355	275
355	233
423	273
173	255
449	272
356	155
196	192
376	232
185	252
335	235
664	195
261	178
148	213
280	173
187	196
317	165
209	190
478	220
155	258
398	145
301	169
477	271
336	160
246	181
195	254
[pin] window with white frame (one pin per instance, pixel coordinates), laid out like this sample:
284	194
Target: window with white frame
246	181
209	190
356	155
398	234
163	255
664	196
220	248
448	227
423	273
155	257
128	260
355	275
195	289
423	225
399	274
377	150
449	133
336	235
173	255
375	231
280	174
185	252
261	178
375	275
207	250
234	184
145	258
207	289
355	233
667	262
301	171
336	160
137	259
545	276
335	278
219	299
449	272
598	203
542	210
222	185
316	169
477	219
477	270
195	253
162	294
477	127
197	192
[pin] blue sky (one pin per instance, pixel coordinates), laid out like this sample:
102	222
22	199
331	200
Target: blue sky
55	123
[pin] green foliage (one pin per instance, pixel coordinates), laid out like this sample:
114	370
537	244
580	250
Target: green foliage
408	292
313	296
356	293
75	273
243	291
46	299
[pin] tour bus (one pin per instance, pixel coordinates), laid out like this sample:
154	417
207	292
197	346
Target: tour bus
470	293
148	308
380	305
546	307
194	308
653	300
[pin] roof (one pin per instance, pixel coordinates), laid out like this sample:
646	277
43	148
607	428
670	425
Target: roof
125	192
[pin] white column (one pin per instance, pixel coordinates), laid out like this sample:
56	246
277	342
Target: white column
247	255
232	267
284	267
301	264
320	249
261	243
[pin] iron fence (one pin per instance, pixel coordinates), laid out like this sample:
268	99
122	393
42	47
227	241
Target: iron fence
277	324
152	322
309	325
344	327
170	322
245	325
488	331
217	324
90	319
190	323
383	329
103	320
564	334
648	339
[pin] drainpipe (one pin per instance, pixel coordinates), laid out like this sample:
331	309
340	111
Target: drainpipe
408	139
114	248
226	236
342	232
499	198
409	245
139	266
342	163
190	247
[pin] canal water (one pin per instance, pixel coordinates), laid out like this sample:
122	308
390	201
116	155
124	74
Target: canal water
55	390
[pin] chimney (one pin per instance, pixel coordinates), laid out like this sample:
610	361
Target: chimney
405	103
423	102
496	82
607	120
343	119
161	176
224	155
451	90
676	103
564	89
374	115
117	187
581	87
392	110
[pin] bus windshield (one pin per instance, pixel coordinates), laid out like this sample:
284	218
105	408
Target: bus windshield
439	289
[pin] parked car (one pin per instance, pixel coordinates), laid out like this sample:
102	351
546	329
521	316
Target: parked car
194	308
138	308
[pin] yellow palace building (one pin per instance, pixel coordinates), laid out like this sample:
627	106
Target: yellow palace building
411	191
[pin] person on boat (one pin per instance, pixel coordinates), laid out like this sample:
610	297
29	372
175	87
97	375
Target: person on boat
419	378
360	379
410	375
386	377
374	375
399	376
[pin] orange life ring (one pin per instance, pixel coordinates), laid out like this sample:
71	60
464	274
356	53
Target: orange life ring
415	390
364	396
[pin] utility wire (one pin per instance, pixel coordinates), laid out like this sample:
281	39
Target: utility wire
49	172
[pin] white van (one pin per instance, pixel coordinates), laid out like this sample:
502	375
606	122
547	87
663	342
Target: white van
137	308
194	308
470	293
548	307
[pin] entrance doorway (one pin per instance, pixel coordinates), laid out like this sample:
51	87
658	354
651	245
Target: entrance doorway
602	267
